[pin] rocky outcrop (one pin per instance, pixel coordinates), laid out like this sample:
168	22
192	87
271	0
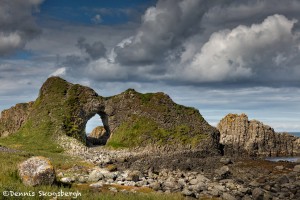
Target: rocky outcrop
130	119
12	119
241	136
37	171
98	136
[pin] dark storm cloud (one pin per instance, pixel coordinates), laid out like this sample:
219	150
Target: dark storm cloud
95	50
17	24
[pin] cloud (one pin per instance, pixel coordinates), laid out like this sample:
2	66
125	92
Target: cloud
17	24
10	42
162	29
59	72
245	52
97	19
95	50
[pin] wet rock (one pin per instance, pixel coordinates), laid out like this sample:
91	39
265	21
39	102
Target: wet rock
37	171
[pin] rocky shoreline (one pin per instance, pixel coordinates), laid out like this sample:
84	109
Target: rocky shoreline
187	173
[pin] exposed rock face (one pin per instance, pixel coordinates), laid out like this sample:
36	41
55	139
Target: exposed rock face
37	171
98	136
12	119
239	135
130	119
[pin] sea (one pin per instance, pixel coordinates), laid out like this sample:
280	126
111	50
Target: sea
295	133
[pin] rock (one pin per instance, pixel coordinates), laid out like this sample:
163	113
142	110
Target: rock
223	172
225	161
280	167
257	194
37	171
155	186
66	180
227	196
95	176
134	176
113	189
241	136
201	178
12	119
254	183
282	180
98	136
194	181
82	179
59	99
97	185
187	192
296	168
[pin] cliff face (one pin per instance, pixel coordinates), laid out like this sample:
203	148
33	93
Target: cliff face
12	119
241	136
130	119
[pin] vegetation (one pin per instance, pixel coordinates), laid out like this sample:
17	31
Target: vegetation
139	131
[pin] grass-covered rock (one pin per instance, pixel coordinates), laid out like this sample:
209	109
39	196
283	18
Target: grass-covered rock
131	119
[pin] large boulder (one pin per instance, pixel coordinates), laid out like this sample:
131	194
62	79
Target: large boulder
241	136
37	171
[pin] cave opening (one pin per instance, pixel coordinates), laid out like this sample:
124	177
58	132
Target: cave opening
97	129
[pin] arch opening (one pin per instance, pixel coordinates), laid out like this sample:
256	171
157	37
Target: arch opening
97	129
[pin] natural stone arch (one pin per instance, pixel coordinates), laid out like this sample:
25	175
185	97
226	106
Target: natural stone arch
100	134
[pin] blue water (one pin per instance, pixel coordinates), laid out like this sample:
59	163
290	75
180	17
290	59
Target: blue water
289	159
295	133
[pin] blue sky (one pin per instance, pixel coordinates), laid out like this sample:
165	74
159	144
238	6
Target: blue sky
231	56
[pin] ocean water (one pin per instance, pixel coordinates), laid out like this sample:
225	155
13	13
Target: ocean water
289	159
295	133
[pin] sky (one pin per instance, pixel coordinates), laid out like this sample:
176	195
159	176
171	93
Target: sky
219	56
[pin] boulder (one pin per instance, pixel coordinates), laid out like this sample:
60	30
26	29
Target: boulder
223	172
134	176
37	171
296	168
95	175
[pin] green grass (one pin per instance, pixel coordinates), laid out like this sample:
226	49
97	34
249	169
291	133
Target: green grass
140	131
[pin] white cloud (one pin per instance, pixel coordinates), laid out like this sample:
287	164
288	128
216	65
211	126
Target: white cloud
59	72
242	51
97	19
9	42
